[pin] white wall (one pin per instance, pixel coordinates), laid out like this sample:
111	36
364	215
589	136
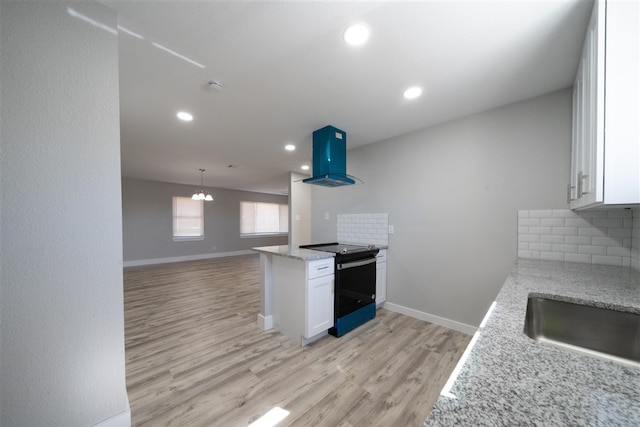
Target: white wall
62	360
299	210
147	216
452	192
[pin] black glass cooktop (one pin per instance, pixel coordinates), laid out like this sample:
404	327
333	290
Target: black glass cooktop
338	248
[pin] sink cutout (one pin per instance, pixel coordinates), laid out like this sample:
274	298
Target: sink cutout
604	333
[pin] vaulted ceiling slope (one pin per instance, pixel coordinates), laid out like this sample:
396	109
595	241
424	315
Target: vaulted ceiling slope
285	72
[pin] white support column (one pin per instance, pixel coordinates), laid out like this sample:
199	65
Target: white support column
265	318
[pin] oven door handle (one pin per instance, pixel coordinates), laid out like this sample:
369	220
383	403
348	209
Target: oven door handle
346	265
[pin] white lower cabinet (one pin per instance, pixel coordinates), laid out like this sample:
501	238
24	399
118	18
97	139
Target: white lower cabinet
319	300
381	277
303	297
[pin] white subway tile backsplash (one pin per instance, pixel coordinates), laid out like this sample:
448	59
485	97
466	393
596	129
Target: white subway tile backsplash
554	239
608	260
597	237
541	214
563	213
619	251
370	229
635	240
528	254
592	250
608	222
590	231
577	240
528	238
546	247
593	214
577	222
620	213
552	222
605	241
619	232
552	256
564	231
539	230
583	258
572	249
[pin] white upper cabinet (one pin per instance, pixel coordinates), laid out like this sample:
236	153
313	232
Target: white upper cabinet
605	160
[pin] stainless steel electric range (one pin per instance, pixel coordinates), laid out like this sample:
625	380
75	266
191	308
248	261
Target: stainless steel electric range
355	284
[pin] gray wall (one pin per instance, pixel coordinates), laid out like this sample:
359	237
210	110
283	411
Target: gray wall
147	221
62	360
452	192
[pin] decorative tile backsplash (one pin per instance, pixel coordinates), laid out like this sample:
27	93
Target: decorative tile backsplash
363	228
592	237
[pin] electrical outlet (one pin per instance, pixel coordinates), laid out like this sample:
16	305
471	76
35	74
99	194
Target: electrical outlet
326	216
391	229
213	247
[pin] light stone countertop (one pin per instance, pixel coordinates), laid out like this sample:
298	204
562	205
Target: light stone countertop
295	253
510	379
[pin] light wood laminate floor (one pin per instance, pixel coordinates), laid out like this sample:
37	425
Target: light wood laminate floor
196	357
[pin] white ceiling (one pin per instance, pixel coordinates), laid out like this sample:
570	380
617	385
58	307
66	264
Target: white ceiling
286	72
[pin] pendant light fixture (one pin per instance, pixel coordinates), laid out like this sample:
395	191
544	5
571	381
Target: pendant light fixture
199	195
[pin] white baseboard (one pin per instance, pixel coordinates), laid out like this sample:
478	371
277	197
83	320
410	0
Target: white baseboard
265	322
139	262
447	323
123	419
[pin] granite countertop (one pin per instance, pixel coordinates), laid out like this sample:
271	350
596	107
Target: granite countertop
295	253
510	379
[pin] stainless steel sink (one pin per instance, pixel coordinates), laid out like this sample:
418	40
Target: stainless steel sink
604	333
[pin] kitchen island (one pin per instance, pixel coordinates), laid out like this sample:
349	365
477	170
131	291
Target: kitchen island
511	379
296	292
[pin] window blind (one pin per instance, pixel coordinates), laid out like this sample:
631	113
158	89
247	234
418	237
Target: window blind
188	219
263	218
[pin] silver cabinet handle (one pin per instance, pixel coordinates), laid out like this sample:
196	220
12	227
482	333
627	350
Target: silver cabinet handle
570	189
582	186
579	193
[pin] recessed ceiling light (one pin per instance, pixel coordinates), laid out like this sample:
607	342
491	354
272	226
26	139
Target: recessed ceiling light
183	115
289	147
305	167
356	35
412	92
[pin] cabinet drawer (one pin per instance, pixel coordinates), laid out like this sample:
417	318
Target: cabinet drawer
382	256
320	267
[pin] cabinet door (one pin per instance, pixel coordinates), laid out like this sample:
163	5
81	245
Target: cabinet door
577	141
592	178
320	299
381	282
381	277
587	158
622	103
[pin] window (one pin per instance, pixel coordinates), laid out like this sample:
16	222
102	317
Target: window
258	219
188	219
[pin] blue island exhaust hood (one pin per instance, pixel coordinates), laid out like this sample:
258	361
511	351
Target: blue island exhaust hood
329	158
